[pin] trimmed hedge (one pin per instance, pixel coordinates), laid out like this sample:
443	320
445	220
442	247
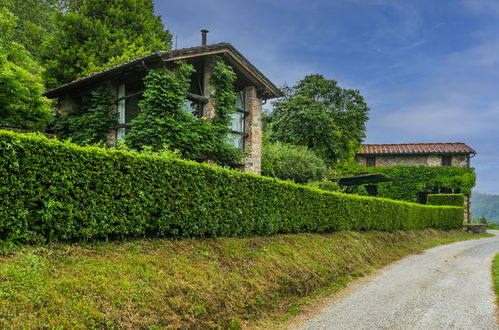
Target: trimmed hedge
52	190
446	199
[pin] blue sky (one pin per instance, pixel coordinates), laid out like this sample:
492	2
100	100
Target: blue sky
429	70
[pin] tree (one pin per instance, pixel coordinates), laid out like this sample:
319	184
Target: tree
21	100
320	115
92	35
34	22
295	163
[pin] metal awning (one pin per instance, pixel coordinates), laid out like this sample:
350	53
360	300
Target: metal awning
351	183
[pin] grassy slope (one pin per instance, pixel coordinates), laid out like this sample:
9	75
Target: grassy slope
226	282
495	276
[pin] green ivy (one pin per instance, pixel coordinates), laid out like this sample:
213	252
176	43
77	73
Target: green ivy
410	180
54	191
92	121
162	120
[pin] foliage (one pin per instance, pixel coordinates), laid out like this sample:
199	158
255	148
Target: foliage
222	79
190	284
445	199
325	185
162	120
295	163
91	122
21	100
485	205
92	35
320	115
35	22
410	180
60	191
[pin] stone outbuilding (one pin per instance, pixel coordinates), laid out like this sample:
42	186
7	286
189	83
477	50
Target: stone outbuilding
419	154
126	84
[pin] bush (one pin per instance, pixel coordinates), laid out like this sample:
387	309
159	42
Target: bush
295	163
325	185
54	191
446	199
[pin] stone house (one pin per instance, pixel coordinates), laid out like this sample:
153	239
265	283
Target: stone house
126	85
419	154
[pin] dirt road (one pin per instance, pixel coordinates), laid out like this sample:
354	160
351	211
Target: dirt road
447	287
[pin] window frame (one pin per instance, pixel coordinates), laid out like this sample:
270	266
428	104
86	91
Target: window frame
245	113
446	160
370	158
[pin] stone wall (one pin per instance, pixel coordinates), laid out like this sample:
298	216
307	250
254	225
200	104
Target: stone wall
414	160
253	142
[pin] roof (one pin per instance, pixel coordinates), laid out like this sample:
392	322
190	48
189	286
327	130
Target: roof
361	179
416	148
173	55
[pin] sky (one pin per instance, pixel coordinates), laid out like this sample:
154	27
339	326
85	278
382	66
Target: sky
428	69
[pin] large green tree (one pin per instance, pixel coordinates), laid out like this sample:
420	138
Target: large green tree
92	35
21	100
320	115
34	22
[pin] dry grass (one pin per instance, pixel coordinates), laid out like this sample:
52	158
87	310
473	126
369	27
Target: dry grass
212	283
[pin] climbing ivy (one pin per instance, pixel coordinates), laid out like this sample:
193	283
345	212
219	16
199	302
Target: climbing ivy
222	79
91	121
410	180
162	120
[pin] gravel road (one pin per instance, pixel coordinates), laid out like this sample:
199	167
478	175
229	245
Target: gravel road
447	287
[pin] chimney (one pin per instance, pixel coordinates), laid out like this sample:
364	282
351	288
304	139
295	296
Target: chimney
203	37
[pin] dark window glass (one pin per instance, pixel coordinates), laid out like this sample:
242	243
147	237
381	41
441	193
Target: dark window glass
370	161
446	160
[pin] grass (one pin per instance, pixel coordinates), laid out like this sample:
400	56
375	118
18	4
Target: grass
495	276
212	283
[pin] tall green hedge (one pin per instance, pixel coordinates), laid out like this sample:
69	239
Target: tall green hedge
60	191
446	199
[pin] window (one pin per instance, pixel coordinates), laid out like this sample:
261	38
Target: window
370	161
128	108
193	107
238	121
446	160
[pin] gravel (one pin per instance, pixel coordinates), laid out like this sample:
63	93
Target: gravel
447	287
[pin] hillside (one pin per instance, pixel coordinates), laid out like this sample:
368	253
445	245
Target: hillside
485	205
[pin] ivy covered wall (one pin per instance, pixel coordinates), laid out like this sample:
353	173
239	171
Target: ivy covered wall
162	122
410	180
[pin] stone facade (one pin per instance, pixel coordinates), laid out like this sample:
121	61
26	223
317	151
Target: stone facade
461	160
253	142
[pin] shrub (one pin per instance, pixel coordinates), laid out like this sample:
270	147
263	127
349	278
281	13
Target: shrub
289	162
325	185
446	199
52	191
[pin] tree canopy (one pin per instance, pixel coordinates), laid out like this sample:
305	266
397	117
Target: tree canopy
92	35
34	22
320	115
21	100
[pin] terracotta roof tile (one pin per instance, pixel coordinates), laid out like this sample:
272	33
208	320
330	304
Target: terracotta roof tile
417	148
